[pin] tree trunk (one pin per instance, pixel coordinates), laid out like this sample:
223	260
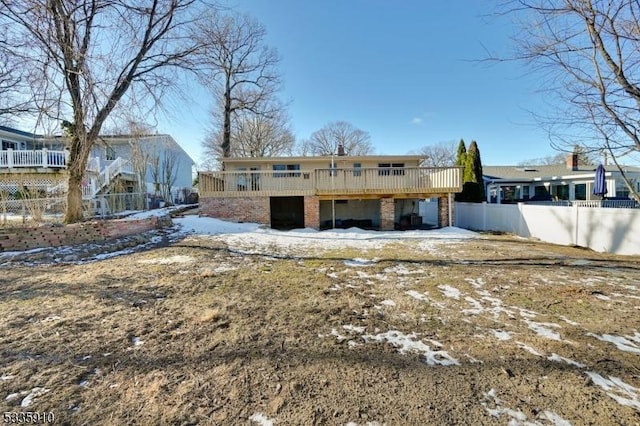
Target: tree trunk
226	133
73	212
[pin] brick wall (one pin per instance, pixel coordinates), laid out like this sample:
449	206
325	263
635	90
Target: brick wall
312	212
77	233
239	209
387	214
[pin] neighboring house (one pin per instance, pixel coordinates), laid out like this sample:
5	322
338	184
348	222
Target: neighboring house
29	161
117	164
570	181
155	158
379	192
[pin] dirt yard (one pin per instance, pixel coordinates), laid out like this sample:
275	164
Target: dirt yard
232	329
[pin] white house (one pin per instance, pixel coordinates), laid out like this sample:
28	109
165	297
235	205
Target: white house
117	163
570	181
160	154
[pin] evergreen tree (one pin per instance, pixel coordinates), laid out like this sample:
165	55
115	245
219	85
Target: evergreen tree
461	157
473	188
461	154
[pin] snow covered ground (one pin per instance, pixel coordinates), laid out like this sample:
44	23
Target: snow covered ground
251	238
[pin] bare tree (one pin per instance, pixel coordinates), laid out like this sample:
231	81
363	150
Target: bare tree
242	67
590	50
169	174
442	154
339	133
140	158
253	136
584	158
13	97
96	54
156	172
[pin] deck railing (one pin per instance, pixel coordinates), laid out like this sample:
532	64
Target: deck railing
33	158
329	182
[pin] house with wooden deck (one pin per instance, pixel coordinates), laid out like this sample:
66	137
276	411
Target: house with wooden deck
117	164
374	192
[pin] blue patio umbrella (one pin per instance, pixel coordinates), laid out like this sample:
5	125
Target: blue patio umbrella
600	182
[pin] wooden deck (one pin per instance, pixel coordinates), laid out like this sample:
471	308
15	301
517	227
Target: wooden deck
328	183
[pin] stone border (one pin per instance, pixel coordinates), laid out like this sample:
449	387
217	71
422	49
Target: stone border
77	233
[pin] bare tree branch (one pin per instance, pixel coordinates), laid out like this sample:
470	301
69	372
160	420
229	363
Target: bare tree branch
87	58
326	140
590	50
241	68
442	154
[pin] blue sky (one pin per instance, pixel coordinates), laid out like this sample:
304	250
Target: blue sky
406	71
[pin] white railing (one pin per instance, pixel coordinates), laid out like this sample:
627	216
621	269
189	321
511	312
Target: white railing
409	180
617	204
117	167
33	158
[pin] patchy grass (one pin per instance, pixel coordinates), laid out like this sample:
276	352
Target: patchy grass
429	332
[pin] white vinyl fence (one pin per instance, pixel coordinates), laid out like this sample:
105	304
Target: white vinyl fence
612	230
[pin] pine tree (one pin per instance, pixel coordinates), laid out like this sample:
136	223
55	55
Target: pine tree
473	189
462	153
461	158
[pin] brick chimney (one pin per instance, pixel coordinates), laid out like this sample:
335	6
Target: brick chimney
341	150
572	161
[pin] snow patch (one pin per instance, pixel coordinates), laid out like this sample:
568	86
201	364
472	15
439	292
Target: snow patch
35	392
360	262
501	335
409	343
476	307
625	343
261	419
621	392
542	329
180	259
568	321
416	295
557	358
450	292
528	349
354	328
518	418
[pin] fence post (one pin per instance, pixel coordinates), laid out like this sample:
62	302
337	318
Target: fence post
10	158
576	226
45	158
484	215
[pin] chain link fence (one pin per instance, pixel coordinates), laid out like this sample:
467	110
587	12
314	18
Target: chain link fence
33	208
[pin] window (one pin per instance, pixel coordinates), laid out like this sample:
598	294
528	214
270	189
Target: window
333	169
541	193
279	167
581	191
398	169
621	190
356	169
560	192
110	153
395	169
525	192
9	145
